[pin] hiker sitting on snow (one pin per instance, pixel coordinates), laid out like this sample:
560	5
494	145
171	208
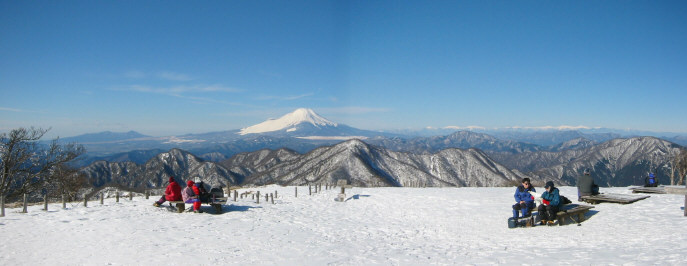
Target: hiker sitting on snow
190	195
550	204
523	199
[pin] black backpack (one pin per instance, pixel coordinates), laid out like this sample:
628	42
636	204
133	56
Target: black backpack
565	200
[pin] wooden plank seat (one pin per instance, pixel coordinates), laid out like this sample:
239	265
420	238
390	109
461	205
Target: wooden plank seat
216	204
572	213
613	198
653	190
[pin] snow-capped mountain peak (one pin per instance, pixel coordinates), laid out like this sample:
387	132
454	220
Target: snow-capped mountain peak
301	115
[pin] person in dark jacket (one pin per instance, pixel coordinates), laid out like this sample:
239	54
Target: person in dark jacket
586	186
651	181
172	193
523	199
551	201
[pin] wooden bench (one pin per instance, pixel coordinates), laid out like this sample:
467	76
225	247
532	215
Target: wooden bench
613	198
216	204
568	212
653	190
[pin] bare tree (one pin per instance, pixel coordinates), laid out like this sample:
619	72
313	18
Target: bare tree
27	165
66	181
682	165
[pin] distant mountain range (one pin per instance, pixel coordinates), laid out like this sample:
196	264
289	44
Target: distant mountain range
302	147
359	163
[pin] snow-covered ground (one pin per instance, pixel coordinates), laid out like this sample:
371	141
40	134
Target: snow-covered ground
388	226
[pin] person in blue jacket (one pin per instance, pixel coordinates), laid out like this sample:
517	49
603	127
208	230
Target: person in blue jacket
551	201
651	181
523	200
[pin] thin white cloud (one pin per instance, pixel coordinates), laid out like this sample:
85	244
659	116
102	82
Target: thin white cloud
179	90
284	98
165	75
174	76
11	109
353	110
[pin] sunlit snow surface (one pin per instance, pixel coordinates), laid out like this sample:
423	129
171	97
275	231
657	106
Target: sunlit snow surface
388	226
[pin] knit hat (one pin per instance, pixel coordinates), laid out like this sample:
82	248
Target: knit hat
189	183
171	179
549	184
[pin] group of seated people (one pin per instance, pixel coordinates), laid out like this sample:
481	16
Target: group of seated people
551	201
194	192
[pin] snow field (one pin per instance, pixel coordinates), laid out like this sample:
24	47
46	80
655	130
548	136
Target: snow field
387	226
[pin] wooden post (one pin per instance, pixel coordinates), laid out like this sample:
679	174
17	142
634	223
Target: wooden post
235	195
117	195
45	200
275	193
64	202
85	200
258	197
296	192
309	190
272	197
102	198
267	197
2	206
25	203
147	193
685	214
131	195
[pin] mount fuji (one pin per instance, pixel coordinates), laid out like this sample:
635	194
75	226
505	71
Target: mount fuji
304	123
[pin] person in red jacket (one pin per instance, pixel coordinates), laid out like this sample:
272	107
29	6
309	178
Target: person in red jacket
172	193
190	195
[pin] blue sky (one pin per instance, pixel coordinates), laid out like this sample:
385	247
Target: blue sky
168	67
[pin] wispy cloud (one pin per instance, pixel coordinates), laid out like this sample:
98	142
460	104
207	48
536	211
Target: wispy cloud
174	76
11	109
354	110
179	90
284	98
165	75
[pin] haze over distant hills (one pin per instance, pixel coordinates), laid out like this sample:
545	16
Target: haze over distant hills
303	146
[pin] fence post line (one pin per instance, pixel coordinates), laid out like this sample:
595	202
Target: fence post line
267	197
272	197
64	202
309	190
235	194
85	200
117	195
296	192
102	198
2	206
131	195
275	193
45	200
25	203
258	197
147	194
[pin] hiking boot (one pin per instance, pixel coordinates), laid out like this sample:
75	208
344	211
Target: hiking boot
551	223
156	204
542	222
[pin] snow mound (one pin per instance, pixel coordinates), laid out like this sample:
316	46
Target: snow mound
301	115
